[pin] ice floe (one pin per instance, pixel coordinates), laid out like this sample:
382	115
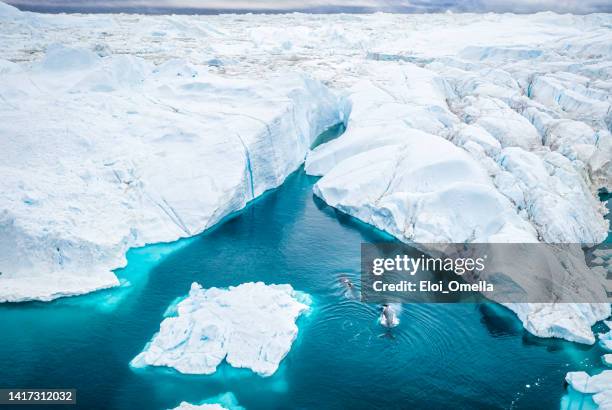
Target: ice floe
599	385
605	340
248	326
206	406
225	401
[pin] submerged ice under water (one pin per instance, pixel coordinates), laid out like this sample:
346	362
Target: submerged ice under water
476	355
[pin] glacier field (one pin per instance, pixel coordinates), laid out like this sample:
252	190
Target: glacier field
110	144
120	131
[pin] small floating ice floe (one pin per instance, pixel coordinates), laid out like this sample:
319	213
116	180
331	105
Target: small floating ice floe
225	401
605	340
250	326
607	359
206	406
388	316
600	386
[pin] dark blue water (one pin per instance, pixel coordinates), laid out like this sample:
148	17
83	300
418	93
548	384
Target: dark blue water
440	356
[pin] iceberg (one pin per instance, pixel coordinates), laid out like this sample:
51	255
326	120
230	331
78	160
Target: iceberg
248	326
599	385
605	340
124	152
452	150
422	188
225	401
206	406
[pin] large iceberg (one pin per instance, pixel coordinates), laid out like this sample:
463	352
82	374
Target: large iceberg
468	149
409	165
102	152
248	326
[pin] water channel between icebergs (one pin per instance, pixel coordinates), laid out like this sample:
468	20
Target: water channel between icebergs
440	355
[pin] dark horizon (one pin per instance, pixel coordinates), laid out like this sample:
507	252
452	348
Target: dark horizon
210	7
51	9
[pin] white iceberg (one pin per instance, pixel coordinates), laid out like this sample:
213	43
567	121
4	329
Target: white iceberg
122	152
451	150
249	326
206	406
599	385
605	340
421	187
225	401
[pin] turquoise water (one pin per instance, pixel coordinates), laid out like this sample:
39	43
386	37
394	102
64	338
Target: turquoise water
440	356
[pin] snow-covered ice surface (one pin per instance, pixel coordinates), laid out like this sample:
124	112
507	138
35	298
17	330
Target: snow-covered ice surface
599	386
249	326
505	138
206	406
225	401
605	340
462	127
105	151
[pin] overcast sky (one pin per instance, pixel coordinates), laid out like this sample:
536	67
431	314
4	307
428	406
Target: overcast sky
152	6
